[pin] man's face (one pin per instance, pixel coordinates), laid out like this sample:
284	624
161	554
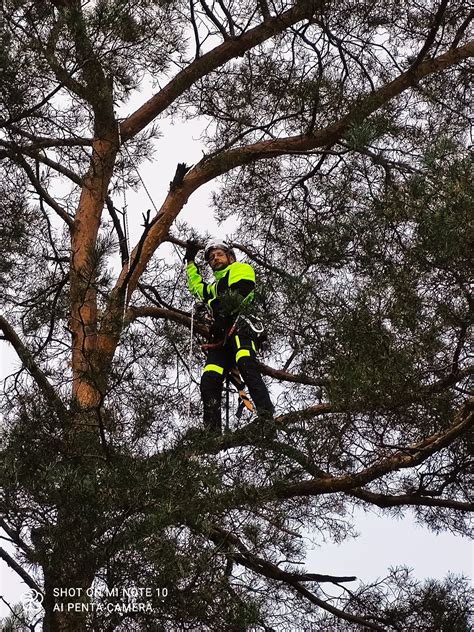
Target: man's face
218	259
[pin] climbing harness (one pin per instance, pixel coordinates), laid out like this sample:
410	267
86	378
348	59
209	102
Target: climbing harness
233	376
255	324
221	343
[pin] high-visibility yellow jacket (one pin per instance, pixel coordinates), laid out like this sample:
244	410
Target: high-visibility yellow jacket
237	279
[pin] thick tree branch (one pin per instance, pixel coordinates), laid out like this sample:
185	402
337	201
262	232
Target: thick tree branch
432	34
230	49
242	437
408	457
246	436
207	170
13	564
267	569
403	500
359	109
37	374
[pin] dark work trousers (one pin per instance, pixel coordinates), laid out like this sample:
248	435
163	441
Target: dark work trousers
238	351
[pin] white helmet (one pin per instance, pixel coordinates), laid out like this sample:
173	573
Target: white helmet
221	245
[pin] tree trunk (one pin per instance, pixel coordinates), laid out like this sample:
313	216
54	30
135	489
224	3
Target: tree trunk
88	381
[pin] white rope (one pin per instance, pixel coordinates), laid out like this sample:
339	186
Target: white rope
125	227
127	241
141	179
132	162
190	359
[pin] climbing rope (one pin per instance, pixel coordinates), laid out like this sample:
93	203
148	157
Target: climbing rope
227	401
140	178
125	225
127	240
190	359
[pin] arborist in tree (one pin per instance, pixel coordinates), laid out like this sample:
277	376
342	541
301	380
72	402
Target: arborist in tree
232	339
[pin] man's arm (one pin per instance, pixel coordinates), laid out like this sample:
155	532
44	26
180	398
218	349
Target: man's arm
242	281
196	285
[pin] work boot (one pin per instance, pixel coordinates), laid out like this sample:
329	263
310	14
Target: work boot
263	428
195	435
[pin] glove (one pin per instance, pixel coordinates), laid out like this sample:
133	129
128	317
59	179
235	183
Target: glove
192	248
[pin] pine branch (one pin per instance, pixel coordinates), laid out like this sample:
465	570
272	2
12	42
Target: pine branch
207	170
408	457
217	57
431	35
13	564
267	569
41	191
29	363
413	500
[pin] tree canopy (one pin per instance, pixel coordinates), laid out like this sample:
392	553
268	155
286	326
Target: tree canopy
337	135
